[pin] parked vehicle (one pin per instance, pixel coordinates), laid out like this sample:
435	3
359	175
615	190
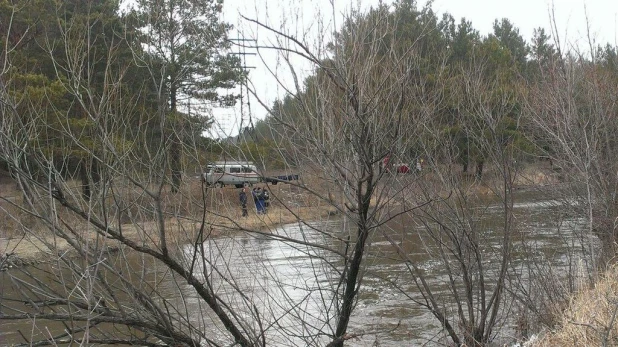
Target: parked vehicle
402	168
281	178
237	173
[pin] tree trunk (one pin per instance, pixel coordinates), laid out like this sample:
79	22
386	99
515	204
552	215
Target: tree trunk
90	176
175	166
479	169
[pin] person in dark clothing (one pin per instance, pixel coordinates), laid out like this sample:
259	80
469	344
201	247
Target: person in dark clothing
266	196
262	197
260	201
243	202
254	194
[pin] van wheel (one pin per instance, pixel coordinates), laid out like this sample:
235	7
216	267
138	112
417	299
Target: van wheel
218	185
247	184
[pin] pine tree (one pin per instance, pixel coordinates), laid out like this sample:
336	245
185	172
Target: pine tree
185	45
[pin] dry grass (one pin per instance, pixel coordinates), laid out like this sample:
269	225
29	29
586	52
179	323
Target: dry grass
184	211
11	218
536	175
590	319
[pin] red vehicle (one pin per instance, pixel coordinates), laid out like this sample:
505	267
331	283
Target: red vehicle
398	168
402	168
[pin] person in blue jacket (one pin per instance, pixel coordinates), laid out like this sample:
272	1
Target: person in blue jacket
243	202
256	200
260	201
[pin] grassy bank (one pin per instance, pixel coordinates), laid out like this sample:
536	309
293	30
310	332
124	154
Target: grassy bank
30	240
195	209
590	318
588	321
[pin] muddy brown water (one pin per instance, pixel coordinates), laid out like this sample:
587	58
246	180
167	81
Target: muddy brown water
291	284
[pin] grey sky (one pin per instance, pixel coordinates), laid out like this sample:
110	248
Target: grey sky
315	16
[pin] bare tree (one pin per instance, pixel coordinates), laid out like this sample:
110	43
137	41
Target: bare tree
365	103
571	114
344	122
573	107
148	266
129	235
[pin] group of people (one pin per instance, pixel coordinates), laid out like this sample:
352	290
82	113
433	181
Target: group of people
260	198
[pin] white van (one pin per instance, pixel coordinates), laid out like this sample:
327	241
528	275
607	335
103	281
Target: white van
237	173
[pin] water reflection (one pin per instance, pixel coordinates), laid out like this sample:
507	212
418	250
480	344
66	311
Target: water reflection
290	285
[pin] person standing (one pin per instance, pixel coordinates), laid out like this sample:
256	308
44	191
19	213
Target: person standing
260	201
254	194
262	198
243	202
266	199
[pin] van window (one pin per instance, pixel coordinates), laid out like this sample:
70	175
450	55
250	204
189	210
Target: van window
218	170
234	170
246	169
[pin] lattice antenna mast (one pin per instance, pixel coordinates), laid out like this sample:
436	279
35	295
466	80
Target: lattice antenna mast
245	116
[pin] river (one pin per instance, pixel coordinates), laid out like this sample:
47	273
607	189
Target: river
291	284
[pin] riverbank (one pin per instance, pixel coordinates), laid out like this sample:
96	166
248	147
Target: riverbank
223	217
25	241
589	319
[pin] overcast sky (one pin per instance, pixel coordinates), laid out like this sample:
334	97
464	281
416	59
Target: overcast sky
530	14
300	16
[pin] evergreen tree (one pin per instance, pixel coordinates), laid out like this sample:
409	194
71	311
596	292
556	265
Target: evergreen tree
185	49
57	64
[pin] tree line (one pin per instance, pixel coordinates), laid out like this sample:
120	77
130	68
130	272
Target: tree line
440	58
117	98
398	82
70	68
